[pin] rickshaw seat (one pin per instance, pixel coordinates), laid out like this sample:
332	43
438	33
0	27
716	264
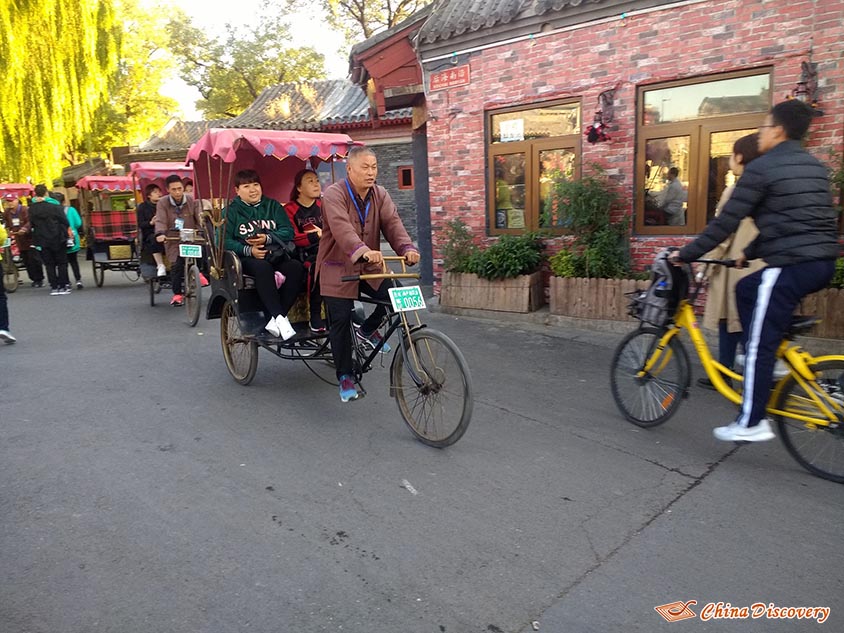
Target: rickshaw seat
234	272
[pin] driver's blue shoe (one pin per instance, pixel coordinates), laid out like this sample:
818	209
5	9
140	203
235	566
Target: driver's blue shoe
348	391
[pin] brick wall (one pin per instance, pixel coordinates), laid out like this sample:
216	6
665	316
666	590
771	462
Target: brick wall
682	42
390	158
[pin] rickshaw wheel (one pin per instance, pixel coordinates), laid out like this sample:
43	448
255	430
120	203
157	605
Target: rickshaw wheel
241	354
10	272
193	294
99	273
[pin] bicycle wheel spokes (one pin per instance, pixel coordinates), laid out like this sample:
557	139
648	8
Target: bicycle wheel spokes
240	354
648	398
435	398
818	447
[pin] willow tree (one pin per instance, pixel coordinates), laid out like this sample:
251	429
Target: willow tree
58	57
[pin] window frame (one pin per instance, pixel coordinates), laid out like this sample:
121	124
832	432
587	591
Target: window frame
531	149
408	168
699	132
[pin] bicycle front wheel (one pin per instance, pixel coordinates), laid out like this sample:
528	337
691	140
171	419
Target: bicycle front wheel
649	399
818	449
10	271
434	397
193	294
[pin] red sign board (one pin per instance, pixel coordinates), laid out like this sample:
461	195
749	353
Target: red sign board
449	78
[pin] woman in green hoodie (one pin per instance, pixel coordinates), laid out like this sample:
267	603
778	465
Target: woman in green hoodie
259	231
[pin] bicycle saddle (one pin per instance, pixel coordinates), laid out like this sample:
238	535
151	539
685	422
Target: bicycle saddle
801	324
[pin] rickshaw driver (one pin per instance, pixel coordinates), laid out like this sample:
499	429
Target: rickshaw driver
355	213
176	211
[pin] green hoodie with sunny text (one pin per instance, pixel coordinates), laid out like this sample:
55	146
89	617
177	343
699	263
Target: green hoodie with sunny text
244	220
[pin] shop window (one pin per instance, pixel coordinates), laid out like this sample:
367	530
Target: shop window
530	149
405	177
685	133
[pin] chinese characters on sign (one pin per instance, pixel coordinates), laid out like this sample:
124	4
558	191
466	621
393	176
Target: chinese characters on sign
449	78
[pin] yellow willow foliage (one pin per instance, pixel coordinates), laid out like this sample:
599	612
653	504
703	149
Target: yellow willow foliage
58	57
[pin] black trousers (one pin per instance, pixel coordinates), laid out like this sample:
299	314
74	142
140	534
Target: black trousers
32	263
340	316
74	265
277	301
55	261
4	308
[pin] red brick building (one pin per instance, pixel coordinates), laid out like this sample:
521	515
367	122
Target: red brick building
511	87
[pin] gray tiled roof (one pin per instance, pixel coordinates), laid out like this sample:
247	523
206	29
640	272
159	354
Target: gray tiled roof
178	135
452	18
75	172
381	36
313	105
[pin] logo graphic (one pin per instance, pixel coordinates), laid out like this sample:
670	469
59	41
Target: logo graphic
676	611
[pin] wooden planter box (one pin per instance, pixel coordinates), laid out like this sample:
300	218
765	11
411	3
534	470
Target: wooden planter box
827	305
592	298
465	290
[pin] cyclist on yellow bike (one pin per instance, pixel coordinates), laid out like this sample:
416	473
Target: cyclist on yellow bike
787	193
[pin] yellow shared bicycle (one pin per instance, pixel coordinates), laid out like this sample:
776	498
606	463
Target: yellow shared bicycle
651	374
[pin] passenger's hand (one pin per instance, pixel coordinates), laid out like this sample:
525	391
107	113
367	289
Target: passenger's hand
674	257
411	257
257	240
152	222
160	238
259	252
373	257
316	230
741	261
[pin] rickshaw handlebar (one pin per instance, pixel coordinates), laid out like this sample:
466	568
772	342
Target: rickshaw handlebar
385	273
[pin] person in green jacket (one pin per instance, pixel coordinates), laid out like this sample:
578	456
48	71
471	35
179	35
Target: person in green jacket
75	222
259	231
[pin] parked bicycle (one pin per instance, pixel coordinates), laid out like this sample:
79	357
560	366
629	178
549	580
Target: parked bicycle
650	376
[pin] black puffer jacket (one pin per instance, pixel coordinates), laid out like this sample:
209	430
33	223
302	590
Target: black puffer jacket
787	193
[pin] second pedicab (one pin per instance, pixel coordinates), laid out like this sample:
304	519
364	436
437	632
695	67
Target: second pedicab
428	375
12	263
146	173
107	206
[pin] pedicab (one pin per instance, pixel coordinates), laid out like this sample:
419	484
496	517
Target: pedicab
156	172
428	375
12	262
111	228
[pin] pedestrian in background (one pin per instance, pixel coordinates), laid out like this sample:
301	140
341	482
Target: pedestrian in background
5	335
17	225
49	234
75	222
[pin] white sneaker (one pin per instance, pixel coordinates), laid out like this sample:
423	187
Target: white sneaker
272	328
285	329
7	337
161	271
734	433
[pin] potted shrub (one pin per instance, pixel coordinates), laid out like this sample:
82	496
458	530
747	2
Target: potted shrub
504	276
591	275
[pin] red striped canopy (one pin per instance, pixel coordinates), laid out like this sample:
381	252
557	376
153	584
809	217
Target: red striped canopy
16	188
147	172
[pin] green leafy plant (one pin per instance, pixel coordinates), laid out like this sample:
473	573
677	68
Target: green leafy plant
838	278
599	248
510	256
459	248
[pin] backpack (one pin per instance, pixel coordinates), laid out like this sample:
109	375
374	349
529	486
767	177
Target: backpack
669	285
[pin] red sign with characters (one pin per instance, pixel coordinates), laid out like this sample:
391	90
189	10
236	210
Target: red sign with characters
450	78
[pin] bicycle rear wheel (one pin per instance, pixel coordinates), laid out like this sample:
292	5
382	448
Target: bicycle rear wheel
10	271
820	450
651	399
437	410
241	355
193	294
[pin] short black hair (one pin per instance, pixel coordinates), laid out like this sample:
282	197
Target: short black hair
675	171
171	179
58	196
245	177
149	189
297	182
794	117
747	147
40	191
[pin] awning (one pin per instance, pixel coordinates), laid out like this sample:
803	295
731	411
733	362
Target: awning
159	170
16	188
106	183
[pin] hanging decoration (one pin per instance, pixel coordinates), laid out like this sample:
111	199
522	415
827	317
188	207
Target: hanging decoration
598	131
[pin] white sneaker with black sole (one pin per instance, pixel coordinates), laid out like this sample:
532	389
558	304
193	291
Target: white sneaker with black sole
735	433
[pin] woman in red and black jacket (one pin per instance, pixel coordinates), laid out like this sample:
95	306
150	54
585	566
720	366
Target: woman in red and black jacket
305	213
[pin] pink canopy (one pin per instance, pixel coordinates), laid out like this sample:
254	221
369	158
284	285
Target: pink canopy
16	188
156	172
112	184
275	154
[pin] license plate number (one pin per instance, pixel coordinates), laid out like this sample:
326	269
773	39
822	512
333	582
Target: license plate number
190	250
407	298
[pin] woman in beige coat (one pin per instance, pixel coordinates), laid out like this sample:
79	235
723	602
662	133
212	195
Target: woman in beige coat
721	313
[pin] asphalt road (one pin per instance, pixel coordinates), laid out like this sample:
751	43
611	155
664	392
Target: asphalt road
143	490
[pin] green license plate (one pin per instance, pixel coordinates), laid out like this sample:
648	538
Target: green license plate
190	251
407	298
7	243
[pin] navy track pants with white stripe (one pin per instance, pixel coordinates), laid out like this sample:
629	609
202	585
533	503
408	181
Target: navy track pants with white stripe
766	301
